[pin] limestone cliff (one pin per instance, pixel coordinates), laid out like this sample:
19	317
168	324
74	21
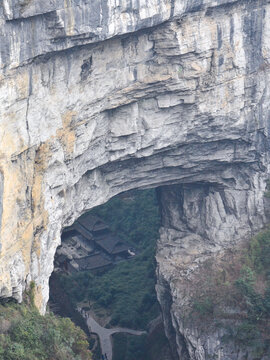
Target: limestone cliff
100	97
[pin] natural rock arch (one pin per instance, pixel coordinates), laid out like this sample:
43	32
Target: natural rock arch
185	102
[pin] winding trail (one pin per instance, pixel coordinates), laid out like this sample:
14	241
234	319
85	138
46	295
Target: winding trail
105	334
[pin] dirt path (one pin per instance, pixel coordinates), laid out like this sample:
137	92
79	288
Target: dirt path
105	334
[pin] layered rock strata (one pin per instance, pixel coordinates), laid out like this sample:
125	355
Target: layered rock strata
98	98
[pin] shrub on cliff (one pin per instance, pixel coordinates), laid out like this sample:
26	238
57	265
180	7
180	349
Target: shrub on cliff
26	335
236	288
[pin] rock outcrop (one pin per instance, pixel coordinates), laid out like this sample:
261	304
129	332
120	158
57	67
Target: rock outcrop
102	97
201	223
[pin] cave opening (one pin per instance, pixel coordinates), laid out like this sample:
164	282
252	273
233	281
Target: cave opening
104	278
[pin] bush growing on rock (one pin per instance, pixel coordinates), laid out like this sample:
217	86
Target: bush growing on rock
238	294
30	336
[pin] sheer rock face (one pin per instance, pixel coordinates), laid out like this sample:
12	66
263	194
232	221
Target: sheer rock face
200	223
97	98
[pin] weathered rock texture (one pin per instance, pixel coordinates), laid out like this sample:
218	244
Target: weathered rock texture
100	97
201	222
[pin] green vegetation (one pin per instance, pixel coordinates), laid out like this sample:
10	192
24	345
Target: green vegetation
153	347
26	335
253	286
245	288
129	347
204	307
127	290
134	217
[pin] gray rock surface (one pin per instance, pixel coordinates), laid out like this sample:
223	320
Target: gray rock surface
97	98
200	221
